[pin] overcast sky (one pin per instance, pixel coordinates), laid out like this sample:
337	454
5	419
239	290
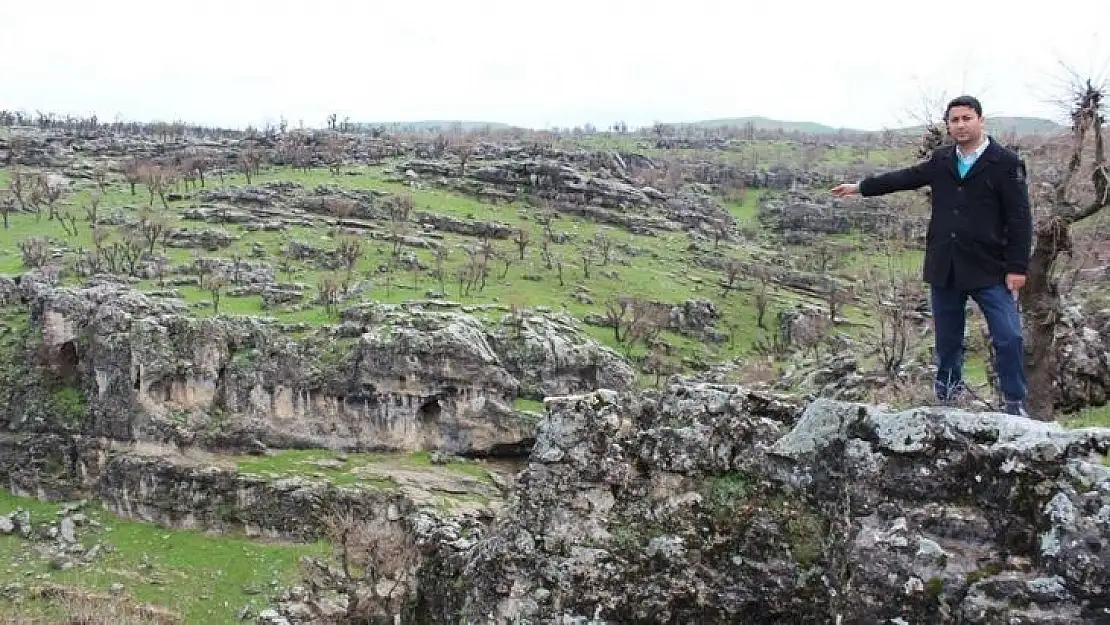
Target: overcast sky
854	63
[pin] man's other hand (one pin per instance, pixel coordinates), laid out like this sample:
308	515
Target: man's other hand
1014	281
844	190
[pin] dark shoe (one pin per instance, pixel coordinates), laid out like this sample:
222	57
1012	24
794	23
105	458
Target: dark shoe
1016	408
952	395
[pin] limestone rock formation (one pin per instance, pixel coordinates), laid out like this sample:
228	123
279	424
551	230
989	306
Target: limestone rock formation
127	366
1084	358
712	504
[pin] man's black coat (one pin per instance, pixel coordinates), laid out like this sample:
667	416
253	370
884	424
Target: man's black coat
981	227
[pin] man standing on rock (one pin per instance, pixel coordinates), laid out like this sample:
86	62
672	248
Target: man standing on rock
978	245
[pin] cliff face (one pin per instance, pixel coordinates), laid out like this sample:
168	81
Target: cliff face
714	505
704	503
160	486
387	377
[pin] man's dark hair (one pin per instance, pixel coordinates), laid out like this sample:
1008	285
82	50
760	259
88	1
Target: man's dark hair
964	100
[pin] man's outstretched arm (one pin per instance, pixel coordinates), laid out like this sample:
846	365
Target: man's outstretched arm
906	179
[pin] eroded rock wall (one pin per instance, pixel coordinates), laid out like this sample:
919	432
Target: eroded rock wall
131	367
711	504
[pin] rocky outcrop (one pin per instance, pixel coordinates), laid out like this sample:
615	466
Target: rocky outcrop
713	504
1083	338
161	486
473	228
551	356
549	178
694	207
131	367
805	212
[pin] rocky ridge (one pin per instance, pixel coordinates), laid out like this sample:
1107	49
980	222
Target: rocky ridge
715	504
114	362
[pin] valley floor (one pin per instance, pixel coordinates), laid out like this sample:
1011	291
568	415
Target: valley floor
203	578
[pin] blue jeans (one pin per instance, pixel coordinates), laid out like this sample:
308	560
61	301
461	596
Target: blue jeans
1004	322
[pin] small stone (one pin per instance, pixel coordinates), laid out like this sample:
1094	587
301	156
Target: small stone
270	616
913	586
67	530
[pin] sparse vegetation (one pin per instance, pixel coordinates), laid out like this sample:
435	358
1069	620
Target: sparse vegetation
201	578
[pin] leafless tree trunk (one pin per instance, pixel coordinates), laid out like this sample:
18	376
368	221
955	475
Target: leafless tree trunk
1041	297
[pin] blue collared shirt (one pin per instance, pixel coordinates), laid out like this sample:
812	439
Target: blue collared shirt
965	161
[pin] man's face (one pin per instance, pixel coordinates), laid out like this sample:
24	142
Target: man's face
964	124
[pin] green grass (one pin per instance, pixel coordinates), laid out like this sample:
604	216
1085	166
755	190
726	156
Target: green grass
746	213
1095	416
663	269
321	463
205	578
528	405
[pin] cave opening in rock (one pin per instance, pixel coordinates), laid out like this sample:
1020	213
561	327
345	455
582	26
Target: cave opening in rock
430	409
65	360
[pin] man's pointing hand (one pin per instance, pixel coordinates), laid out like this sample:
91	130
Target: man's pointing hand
844	190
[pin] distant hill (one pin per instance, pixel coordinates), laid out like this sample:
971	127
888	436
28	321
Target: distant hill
1020	125
435	125
1024	125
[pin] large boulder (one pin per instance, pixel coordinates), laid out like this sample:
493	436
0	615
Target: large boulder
713	504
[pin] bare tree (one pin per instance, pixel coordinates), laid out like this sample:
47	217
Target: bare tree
157	179
17	187
604	247
214	283
188	174
153	228
350	251
100	177
91	209
644	322
327	289
732	269
376	560
809	332
658	364
521	240
7	203
463	147
616	310
763	276
51	188
68	220
132	172
243	163
893	293
334	151
720	228
131	250
587	258
1041	297
35	252
199	164
399	208
438	272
